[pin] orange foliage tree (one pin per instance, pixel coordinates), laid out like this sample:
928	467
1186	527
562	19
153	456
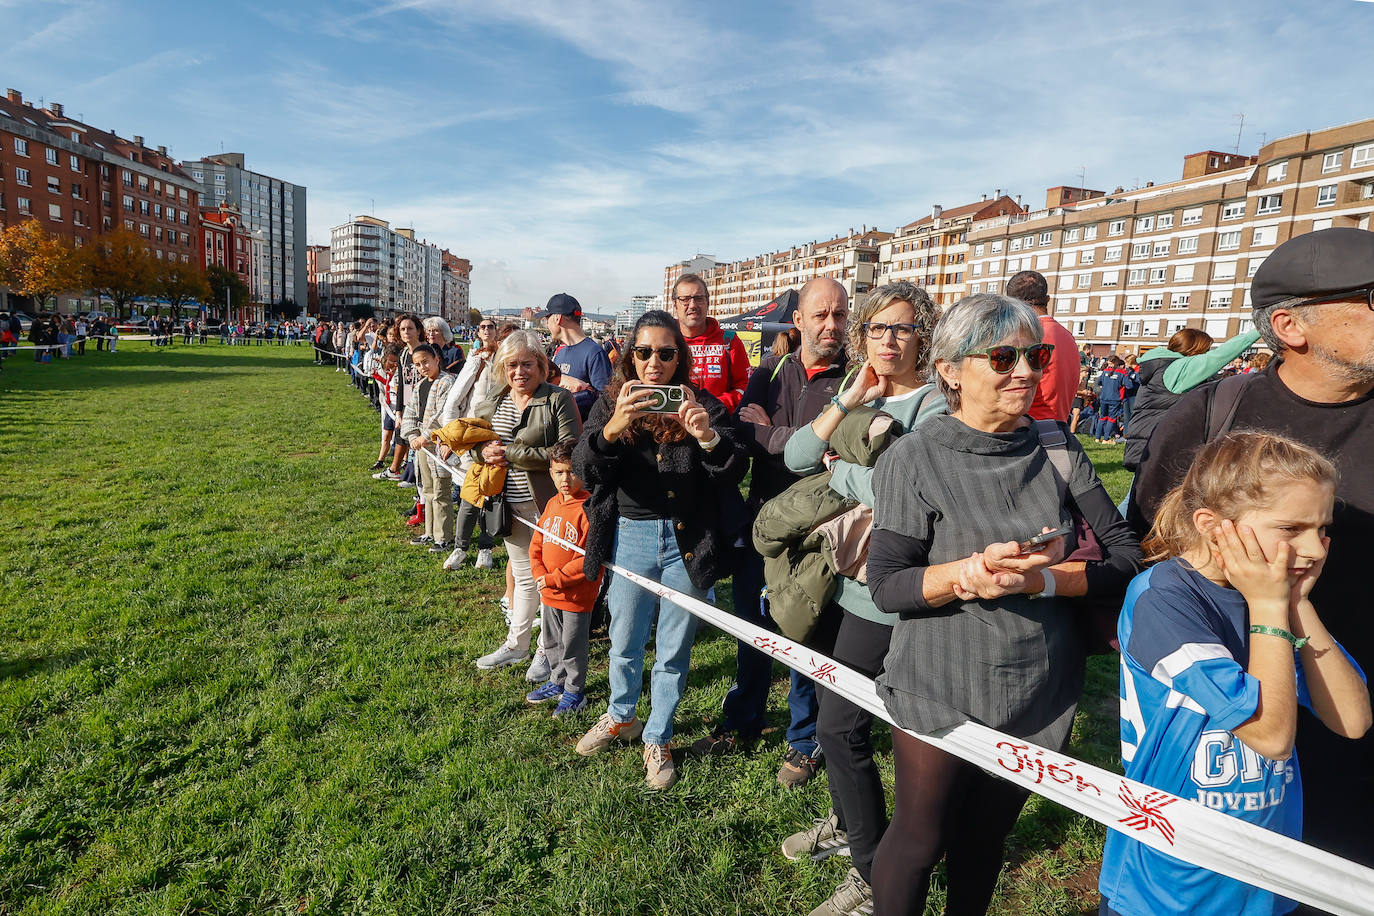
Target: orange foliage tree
119	266
37	264
181	284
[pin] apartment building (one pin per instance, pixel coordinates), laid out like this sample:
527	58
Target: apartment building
273	213
386	269
225	241
78	181
932	252
455	276
317	279
702	265
1129	268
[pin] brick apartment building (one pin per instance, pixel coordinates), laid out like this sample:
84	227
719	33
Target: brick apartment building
1129	268
226	243
932	252
455	277
78	181
317	280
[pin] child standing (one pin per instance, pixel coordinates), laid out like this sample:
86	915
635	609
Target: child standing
1219	646
565	592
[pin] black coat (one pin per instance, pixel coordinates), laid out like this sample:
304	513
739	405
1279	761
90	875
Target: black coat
695	481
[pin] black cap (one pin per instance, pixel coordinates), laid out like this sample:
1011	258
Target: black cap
1315	266
561	304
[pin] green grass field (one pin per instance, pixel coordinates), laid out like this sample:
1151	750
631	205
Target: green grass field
228	685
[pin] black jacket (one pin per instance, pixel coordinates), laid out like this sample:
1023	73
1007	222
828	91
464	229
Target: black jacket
693	480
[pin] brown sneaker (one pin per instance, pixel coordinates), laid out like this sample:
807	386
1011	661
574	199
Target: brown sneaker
606	730
659	771
797	769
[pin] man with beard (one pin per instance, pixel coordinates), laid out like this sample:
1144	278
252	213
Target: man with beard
783	394
1314	306
720	364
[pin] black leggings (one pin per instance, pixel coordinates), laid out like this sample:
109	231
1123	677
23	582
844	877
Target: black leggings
944	807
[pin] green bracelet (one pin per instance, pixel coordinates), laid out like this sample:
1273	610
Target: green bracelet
836	401
1279	632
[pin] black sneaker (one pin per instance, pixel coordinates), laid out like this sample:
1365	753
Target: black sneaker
377	465
422	540
720	742
440	547
797	769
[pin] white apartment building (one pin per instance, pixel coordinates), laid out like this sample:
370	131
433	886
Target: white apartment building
372	264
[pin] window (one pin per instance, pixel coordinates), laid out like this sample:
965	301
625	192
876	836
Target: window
1113	253
975	287
50	155
1116	227
21	146
978	250
1130	329
1233	210
157	210
1319	224
1188	245
1269	203
1081	304
1265	235
1013	265
997	247
1046	238
1106	304
1331	162
75	164
1157	274
1151	328
1090	232
1161	249
1362	155
1165	221
1226	241
1140	250
1253	267
55	212
143	182
1191	217
143	229
21	176
1087	257
1367	191
1154	302
1042	262
1219	301
1180	300
143	207
1104	327
1068	259
54	186
1085	280
1136	277
24	204
1144	223
1183	273
1326	195
1276	172
1111	277
1071	235
1134	303
994	267
978	270
1225	270
1015	245
78	218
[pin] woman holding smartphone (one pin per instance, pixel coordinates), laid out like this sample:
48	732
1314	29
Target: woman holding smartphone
655	481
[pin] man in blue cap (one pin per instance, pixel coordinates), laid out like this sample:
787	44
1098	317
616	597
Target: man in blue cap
585	366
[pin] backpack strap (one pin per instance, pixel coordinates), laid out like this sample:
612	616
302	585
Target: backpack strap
778	367
1223	399
1056	446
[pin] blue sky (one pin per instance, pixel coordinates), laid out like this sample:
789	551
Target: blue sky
581	146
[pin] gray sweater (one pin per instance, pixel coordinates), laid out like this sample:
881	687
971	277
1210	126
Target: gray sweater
942	493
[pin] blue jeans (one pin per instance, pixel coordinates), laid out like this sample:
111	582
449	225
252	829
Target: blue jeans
649	548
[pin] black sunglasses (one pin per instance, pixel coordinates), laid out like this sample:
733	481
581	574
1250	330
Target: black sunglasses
1002	359
665	354
1368	293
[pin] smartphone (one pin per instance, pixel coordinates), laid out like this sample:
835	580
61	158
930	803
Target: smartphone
665	398
1039	540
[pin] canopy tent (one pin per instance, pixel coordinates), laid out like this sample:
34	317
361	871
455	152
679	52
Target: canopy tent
757	328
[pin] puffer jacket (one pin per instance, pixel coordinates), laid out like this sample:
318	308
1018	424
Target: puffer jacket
797	531
481	480
550	415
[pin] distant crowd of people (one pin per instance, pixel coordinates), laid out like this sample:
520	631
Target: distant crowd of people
919	510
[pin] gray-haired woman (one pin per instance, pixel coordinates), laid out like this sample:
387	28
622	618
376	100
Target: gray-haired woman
983	630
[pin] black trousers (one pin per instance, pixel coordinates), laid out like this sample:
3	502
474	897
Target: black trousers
845	734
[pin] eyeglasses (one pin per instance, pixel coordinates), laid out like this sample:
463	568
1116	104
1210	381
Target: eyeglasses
1367	292
486	327
688	300
1002	359
876	330
665	354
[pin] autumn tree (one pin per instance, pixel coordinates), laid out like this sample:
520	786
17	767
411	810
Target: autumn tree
119	266
474	317
181	284
35	263
221	280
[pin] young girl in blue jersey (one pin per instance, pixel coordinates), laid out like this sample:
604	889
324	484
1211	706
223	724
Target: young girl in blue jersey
1219	646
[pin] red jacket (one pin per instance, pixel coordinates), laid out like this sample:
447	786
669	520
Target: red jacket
1058	385
721	368
566	586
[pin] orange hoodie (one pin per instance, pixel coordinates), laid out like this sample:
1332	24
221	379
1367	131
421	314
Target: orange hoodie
565	586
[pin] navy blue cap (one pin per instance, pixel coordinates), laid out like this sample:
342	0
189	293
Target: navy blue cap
561	304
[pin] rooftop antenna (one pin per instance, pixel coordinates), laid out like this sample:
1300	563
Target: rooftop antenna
1082	176
1263	136
1240	129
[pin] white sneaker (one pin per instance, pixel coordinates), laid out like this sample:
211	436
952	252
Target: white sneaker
457	558
501	658
484	559
540	669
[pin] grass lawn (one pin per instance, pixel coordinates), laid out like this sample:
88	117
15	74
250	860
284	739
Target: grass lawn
227	685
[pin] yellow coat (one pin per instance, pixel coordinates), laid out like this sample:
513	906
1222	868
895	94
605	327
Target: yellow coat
482	480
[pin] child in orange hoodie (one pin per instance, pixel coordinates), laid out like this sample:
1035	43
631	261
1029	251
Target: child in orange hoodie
566	593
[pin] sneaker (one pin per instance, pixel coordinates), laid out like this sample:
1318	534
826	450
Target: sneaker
540	669
416	520
659	771
606	730
421	540
386	474
720	742
441	547
854	897
570	703
377	465
797	769
456	559
483	559
821	840
501	658
549	691
403	484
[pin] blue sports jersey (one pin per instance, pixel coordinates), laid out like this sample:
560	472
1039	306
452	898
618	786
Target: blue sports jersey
1184	653
585	360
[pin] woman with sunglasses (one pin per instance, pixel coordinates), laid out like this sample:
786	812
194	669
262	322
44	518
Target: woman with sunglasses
654	479
983	631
